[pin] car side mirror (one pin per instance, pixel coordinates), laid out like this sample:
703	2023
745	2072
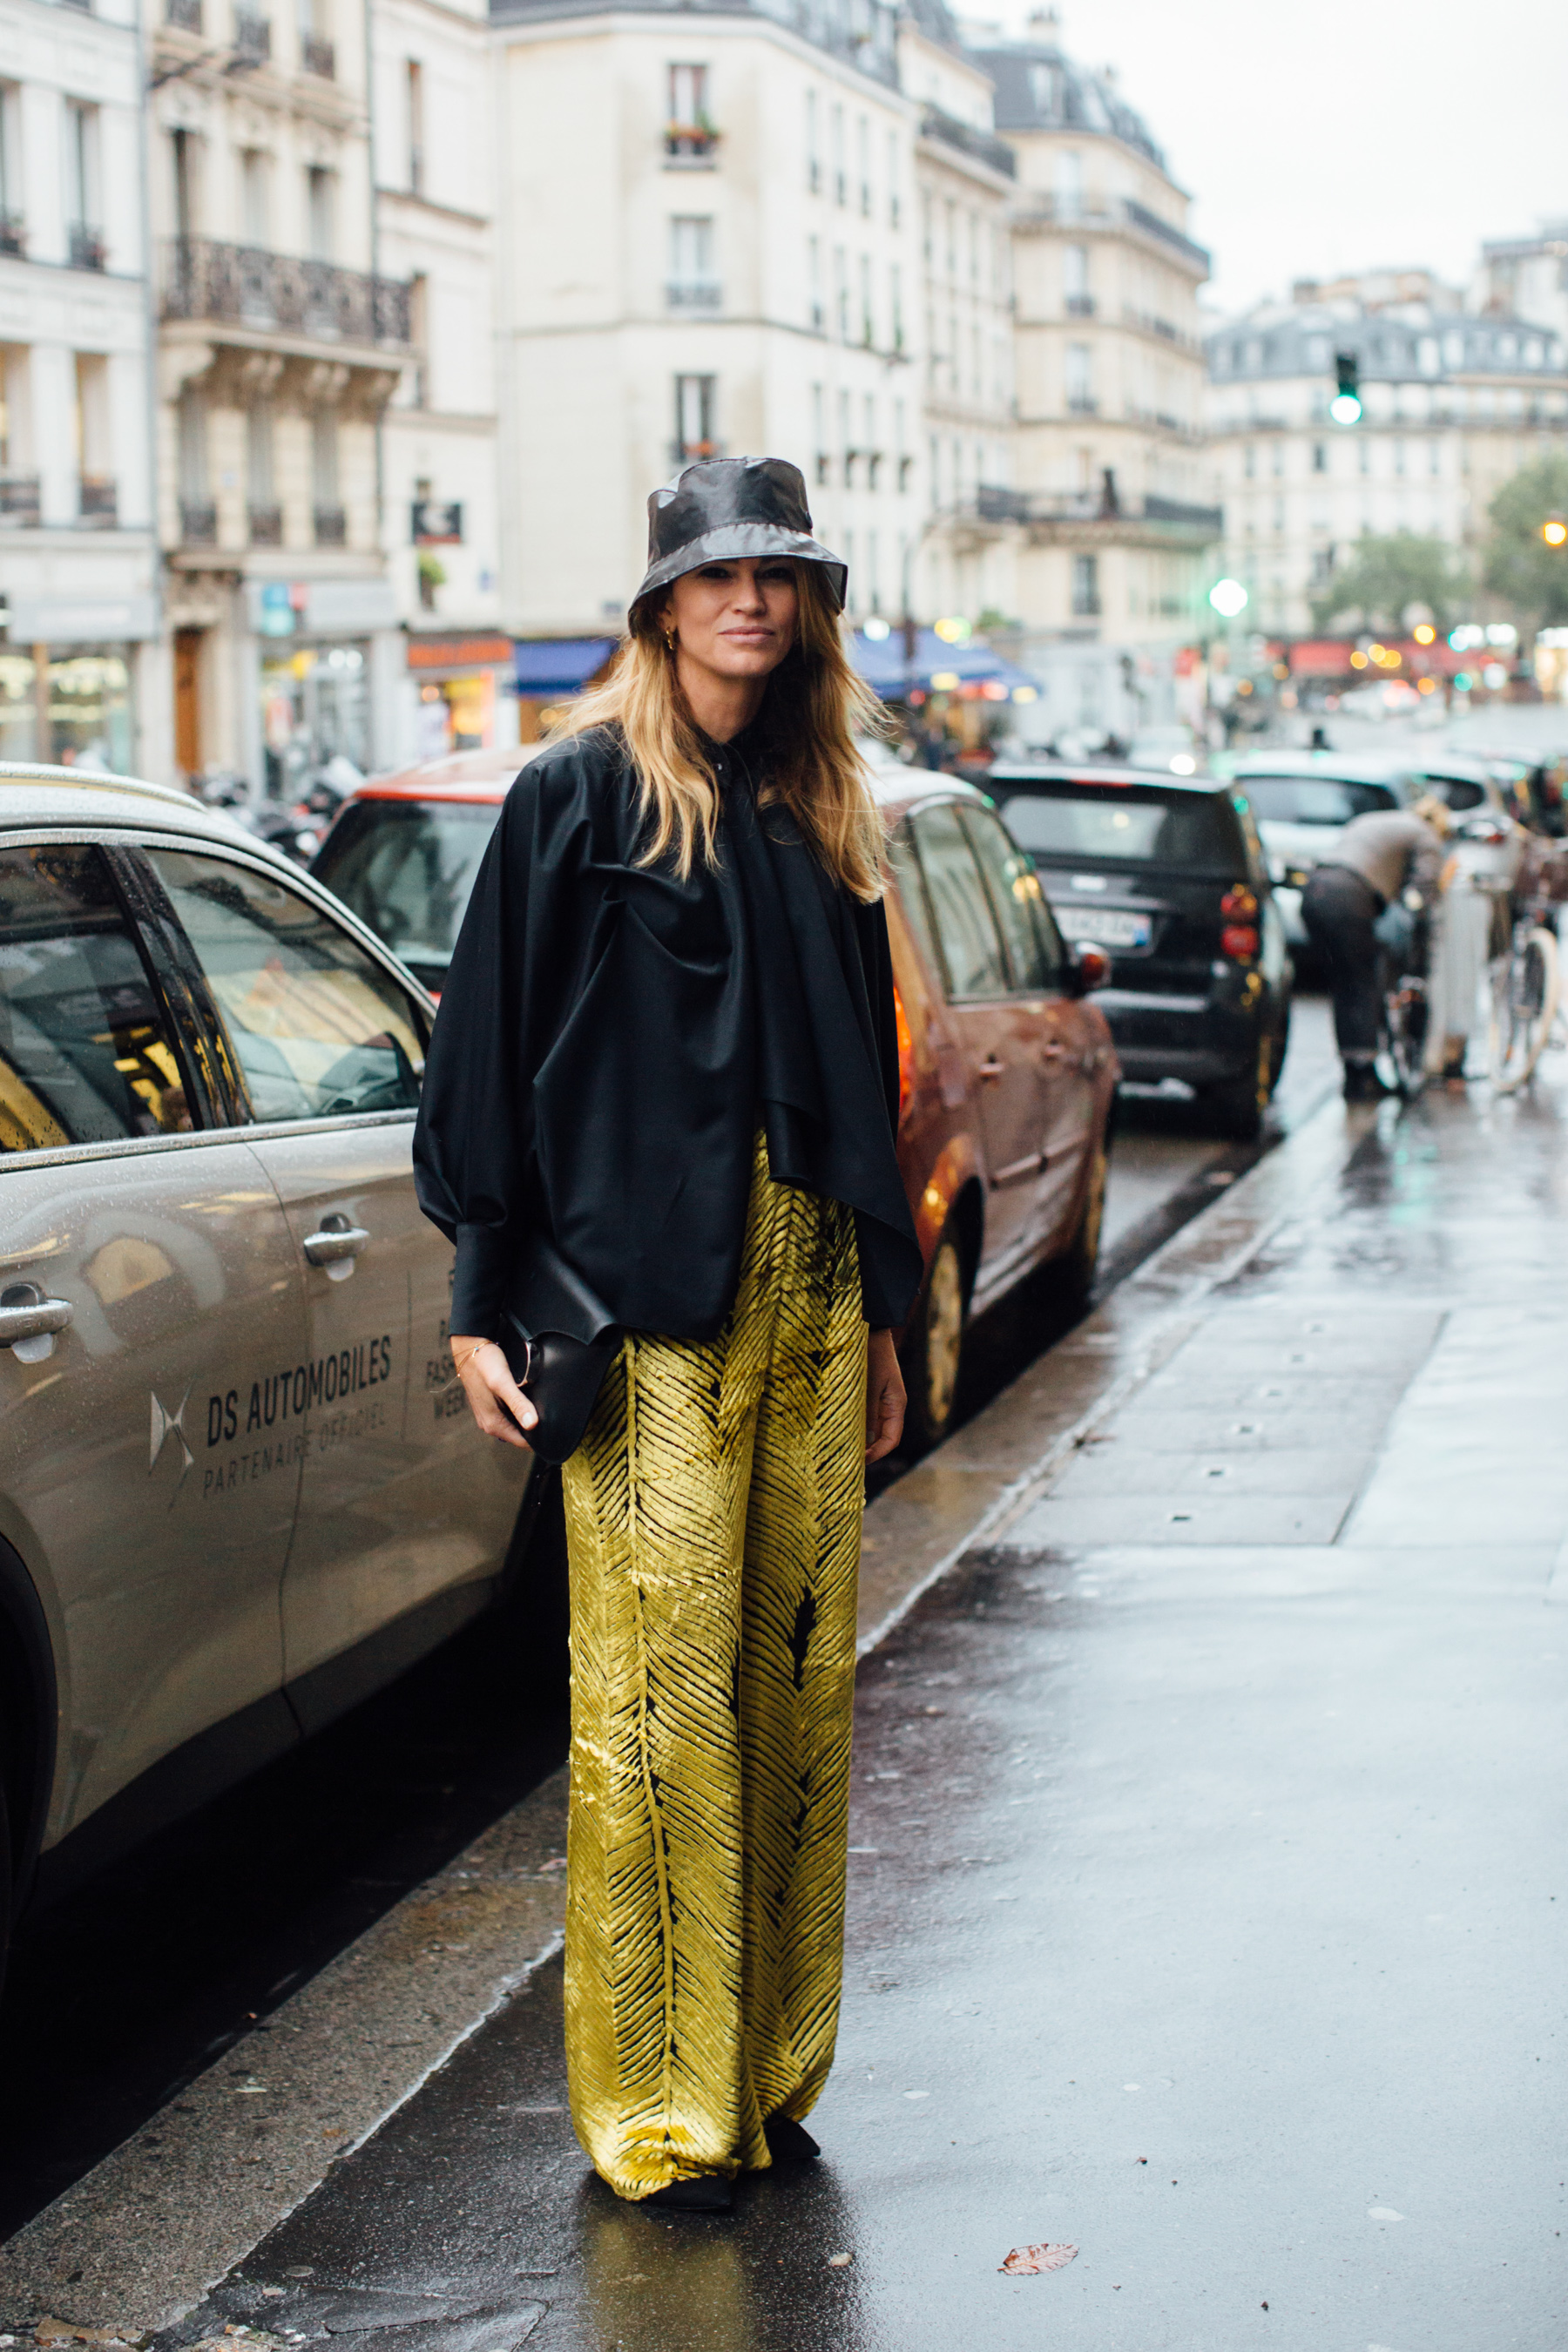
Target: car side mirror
1089	969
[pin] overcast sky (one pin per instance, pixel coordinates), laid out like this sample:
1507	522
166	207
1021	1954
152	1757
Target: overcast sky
1342	135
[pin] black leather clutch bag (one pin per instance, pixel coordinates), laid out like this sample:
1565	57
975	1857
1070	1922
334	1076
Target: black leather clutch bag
559	1341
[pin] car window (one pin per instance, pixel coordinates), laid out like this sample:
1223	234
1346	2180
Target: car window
906	871
314	1024
1257	863
1143	824
87	1051
1314	799
971	945
1458	793
407	869
1015	891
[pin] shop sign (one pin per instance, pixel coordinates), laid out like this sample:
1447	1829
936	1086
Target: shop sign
277	606
82	621
320	608
458	653
437	522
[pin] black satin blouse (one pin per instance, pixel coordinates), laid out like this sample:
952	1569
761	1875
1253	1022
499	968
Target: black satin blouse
610	1038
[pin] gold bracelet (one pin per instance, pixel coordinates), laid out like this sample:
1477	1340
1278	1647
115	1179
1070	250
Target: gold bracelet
473	1351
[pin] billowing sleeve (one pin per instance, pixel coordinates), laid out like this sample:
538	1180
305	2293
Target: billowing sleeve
473	1142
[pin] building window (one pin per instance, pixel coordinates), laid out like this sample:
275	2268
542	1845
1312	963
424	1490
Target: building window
863	150
198	514
951	239
1319	458
841	292
695	406
693	280
414	76
813	146
84	227
896	292
317	54
253	193
841	177
1069	185
11	238
96	498
894	206
1078	302
845	442
329	521
179	147
824	464
1249	462
1399	456
1086	586
1080	379
690	130
868	315
420	336
814	277
319	208
266	515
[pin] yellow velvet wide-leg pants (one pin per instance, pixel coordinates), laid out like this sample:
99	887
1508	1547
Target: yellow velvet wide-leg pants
713	1528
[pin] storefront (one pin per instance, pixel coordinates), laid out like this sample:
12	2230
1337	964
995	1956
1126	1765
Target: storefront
317	676
68	678
463	697
552	670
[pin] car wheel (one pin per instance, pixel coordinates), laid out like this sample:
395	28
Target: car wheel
936	1346
1071	1277
1238	1107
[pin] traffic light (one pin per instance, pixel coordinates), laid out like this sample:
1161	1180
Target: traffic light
1345	405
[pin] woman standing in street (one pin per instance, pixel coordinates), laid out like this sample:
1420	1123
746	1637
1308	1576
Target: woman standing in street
659	1110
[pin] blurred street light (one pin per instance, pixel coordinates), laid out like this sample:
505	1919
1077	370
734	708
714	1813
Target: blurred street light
1228	598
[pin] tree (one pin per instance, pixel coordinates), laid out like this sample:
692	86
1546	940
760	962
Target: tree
1386	576
1519	566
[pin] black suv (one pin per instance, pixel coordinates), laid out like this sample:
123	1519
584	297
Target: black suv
1169	877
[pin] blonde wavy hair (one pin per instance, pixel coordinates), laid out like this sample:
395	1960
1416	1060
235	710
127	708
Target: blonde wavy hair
813	703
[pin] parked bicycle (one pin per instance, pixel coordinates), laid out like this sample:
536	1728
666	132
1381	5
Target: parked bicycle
1404	933
1525	980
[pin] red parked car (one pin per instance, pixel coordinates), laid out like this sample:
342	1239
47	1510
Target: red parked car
1008	1074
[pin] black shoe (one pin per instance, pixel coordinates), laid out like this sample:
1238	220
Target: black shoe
710	2194
789	2142
1362	1083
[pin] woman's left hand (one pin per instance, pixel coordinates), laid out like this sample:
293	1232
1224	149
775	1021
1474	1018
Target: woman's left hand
885	1397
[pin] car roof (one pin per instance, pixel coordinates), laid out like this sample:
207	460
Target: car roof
36	796
457	776
1052	772
1386	770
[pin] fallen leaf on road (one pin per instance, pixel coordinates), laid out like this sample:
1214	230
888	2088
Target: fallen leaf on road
1023	2260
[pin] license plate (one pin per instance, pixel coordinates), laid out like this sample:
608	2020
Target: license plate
1107	927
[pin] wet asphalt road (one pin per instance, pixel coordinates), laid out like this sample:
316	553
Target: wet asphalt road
119	1997
1208	1902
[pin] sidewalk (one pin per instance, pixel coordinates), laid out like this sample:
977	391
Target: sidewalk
1206	1899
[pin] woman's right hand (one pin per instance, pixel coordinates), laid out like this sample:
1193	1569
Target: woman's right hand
496	1401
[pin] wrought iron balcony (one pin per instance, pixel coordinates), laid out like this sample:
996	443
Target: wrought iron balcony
690	143
332	527
275	292
97	501
198	522
694	294
265	525
983	145
87	247
317	57
13	234
185	16
19	498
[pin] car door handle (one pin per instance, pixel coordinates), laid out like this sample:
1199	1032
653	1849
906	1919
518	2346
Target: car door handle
991	1067
37	1319
336	1244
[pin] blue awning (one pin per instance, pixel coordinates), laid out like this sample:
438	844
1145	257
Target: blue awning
882	663
548	667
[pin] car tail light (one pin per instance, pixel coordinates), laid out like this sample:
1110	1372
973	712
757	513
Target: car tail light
906	1054
1239	942
1239	905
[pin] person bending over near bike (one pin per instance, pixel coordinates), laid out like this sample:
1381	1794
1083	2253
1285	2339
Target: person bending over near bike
1376	860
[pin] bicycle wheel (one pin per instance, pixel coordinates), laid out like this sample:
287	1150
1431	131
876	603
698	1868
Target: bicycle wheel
1524	1005
1402	1041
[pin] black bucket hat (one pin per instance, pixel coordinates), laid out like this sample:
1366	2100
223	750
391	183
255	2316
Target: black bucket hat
728	507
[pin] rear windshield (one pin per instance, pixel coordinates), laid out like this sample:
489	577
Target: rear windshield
1196	831
407	869
1312	800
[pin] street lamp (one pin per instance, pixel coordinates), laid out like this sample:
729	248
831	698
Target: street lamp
1228	598
1554	531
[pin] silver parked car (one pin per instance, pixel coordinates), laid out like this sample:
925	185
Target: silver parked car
238	1488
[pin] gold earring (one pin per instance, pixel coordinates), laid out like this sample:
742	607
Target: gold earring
669	641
